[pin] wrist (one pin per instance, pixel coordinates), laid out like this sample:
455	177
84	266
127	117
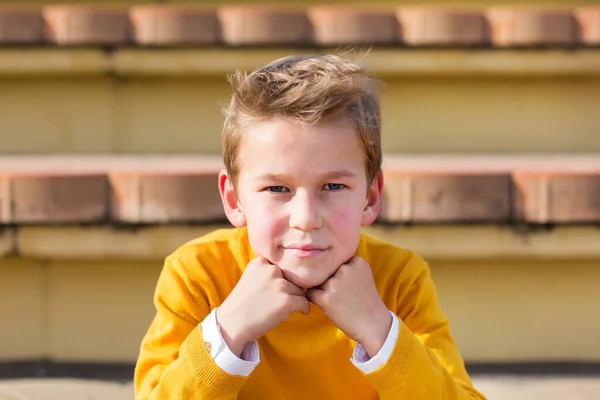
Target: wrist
232	334
378	330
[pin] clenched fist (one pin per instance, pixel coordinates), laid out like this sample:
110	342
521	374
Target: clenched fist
351	301
261	300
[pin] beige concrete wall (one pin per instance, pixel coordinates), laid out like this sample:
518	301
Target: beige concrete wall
98	310
491	115
56	115
23	312
517	303
77	311
522	310
421	114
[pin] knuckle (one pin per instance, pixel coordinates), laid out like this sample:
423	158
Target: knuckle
250	267
287	303
305	305
270	270
280	285
333	284
275	270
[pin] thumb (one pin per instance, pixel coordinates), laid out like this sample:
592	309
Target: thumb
300	304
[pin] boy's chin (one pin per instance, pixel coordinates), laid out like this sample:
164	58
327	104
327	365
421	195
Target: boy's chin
305	279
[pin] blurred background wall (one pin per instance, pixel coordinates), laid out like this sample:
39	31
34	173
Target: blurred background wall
109	148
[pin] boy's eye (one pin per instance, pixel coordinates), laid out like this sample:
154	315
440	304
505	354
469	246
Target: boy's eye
277	189
333	186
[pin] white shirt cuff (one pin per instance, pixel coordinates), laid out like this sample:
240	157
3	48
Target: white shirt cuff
361	359
223	356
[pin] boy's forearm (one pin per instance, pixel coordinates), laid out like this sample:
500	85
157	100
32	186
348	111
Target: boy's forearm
193	375
414	371
232	334
376	332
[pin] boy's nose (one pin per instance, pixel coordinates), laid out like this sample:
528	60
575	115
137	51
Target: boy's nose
304	213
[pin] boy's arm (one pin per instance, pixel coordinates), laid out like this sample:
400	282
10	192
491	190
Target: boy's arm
222	354
174	362
360	357
424	362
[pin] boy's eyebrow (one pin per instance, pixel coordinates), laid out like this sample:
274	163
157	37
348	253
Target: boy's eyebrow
331	174
341	174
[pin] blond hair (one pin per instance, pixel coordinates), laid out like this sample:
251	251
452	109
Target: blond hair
306	89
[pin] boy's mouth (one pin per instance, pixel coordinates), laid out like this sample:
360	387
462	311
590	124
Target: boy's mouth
305	250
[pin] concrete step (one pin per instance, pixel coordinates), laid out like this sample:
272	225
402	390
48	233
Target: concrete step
146	100
504	190
251	25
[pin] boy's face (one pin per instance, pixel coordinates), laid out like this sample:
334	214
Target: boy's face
303	193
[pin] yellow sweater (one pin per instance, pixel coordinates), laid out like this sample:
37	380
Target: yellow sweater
306	357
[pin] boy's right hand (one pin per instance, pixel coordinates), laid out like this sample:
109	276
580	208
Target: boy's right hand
261	300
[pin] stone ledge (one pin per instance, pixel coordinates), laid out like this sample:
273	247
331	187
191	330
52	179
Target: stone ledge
53	62
133	191
101	243
251	25
381	62
217	62
432	242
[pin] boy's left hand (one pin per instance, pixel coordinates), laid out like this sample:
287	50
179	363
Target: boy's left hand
350	299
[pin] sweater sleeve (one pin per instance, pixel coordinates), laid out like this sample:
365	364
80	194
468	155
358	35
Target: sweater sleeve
425	363
174	362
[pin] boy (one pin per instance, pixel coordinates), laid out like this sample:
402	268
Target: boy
294	302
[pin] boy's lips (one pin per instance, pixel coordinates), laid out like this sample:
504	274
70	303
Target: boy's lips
305	250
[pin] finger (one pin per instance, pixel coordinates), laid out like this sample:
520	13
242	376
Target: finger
292	289
275	271
314	295
360	262
325	285
337	270
351	260
355	260
300	304
263	260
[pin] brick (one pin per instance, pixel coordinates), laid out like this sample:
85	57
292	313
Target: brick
5	200
125	197
256	25
557	198
588	19
515	27
169	25
86	25
446	198
433	26
575	199
59	198
21	25
353	25
165	198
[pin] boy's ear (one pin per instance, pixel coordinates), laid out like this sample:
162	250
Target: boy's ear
373	204
231	205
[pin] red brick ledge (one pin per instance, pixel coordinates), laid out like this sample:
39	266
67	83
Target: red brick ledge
252	25
159	190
